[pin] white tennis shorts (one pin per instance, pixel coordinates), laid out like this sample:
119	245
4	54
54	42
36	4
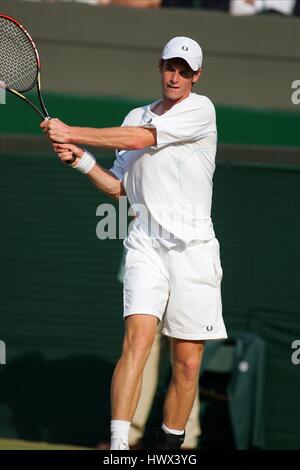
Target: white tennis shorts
181	286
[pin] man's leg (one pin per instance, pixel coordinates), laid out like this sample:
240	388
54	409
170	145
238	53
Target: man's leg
149	385
186	362
140	331
193	429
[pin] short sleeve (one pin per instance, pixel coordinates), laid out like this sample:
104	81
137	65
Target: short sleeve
119	165
190	122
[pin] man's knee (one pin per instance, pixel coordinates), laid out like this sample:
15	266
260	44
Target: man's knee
139	340
186	359
188	368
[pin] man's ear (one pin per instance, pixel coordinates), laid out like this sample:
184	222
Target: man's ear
197	75
160	65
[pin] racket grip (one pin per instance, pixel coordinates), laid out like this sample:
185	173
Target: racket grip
72	160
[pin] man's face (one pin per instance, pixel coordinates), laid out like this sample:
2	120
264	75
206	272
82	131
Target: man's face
177	79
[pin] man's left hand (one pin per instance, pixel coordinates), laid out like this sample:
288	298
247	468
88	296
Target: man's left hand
57	131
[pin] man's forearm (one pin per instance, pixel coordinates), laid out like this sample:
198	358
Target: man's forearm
107	182
122	138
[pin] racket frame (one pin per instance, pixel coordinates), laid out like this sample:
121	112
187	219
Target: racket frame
43	113
37	82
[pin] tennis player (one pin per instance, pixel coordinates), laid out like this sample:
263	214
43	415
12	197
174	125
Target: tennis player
165	160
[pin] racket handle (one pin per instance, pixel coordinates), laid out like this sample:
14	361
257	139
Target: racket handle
72	160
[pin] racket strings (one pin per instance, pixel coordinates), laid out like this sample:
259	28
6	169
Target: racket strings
18	59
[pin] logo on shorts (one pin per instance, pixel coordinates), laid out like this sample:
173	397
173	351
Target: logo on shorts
209	328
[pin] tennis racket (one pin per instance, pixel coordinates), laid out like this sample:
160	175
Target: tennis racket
20	67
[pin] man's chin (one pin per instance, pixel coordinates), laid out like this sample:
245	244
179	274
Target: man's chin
172	95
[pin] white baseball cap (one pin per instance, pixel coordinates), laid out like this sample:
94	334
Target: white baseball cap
186	49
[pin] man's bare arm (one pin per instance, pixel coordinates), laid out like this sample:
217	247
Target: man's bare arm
122	138
102	178
106	181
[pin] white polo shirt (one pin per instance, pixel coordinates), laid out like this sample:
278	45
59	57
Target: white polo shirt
173	179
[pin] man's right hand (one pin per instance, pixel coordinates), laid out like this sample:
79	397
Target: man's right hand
65	152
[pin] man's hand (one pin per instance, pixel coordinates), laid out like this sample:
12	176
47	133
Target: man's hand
67	151
56	130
